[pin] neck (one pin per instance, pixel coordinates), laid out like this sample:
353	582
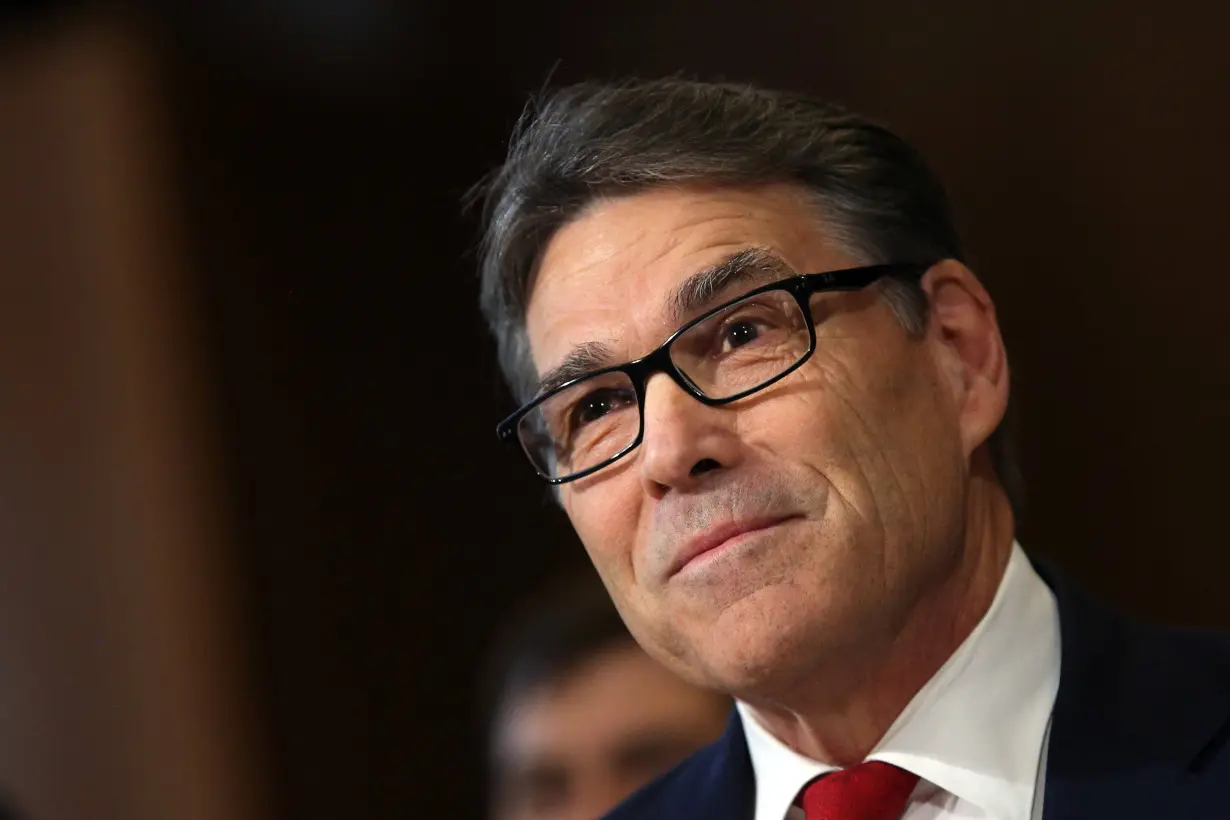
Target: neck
840	721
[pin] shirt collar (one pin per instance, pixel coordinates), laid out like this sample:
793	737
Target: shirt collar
975	729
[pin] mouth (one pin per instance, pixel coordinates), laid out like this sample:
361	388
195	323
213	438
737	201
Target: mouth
721	537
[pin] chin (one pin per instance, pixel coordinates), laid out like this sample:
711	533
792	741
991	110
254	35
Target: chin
758	646
744	670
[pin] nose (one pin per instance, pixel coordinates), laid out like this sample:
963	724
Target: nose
684	440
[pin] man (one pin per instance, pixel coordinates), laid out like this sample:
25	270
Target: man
771	399
581	717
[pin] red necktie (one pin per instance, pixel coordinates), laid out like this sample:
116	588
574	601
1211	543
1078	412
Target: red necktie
868	791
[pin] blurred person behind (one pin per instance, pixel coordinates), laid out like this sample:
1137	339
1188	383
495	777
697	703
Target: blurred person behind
577	715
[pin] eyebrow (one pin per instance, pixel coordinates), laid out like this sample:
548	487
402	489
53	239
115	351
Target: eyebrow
581	360
702	288
688	298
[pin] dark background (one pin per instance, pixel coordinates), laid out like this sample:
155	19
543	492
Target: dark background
321	150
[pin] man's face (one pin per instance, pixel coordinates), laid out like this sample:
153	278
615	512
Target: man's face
827	504
574	748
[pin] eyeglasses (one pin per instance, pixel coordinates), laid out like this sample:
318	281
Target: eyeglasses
732	351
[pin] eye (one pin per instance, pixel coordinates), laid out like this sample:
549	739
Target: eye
596	404
739	333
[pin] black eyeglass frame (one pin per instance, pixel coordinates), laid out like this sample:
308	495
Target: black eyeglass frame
638	371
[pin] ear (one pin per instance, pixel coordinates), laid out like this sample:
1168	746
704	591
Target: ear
964	333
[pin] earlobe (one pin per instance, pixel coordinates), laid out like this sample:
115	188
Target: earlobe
966	331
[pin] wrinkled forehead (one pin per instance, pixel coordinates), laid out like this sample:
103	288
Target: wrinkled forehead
608	277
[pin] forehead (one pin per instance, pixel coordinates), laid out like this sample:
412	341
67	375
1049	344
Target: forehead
605	276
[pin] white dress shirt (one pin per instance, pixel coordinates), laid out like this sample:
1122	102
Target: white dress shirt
975	734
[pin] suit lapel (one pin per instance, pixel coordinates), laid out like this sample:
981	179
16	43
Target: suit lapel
716	783
725	785
1136	708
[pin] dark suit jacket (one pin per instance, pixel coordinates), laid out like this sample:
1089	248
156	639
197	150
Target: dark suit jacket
1140	730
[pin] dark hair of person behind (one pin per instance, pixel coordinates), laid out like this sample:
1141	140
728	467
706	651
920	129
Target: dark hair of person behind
556	631
874	193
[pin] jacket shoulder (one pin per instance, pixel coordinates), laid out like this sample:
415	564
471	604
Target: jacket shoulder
674	794
715	783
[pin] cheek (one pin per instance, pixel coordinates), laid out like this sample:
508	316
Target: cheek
811	420
896	434
856	420
605	517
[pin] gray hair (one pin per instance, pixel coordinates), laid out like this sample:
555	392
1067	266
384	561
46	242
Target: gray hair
874	192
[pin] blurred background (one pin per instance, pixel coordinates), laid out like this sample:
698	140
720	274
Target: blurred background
255	531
